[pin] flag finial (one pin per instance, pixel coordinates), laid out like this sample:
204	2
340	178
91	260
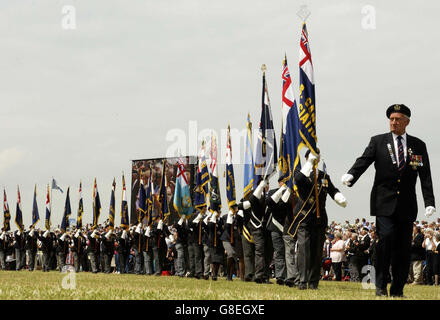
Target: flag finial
304	12
263	68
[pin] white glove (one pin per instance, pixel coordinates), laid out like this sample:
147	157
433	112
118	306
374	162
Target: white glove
277	195
346	179
138	228
62	237
18	233
246	205
160	224
148	231
2	237
230	218
124	234
93	234
77	234
169	239
259	190
308	166
208	216
108	234
45	234
31	233
198	218
180	221
430	210
240	213
213	218
340	199
286	196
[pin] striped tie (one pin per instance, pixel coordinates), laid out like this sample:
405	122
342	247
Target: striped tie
401	154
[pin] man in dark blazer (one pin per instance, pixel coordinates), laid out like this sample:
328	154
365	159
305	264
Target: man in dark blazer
398	159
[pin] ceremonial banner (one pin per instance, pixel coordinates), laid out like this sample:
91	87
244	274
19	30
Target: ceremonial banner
266	157
124	207
96	205
111	214
202	179
230	180
307	110
291	141
18	214
80	209
67	213
55	185
182	197
215	202
163	193
142	210
47	221
6	213
249	170
35	214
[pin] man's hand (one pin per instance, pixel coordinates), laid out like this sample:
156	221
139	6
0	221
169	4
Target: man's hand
430	210
340	200
347	179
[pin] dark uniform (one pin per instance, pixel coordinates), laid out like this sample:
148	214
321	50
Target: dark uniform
93	251
198	236
4	240
393	202
278	212
215	230
20	256
31	248
308	228
231	243
46	249
263	244
62	250
122	248
77	249
247	242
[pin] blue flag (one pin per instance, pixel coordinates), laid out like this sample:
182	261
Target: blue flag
142	210
248	182
67	213
291	140
182	197
266	156
307	110
18	214
202	179
35	214
230	180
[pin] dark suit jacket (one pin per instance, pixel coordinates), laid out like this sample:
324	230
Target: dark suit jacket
395	191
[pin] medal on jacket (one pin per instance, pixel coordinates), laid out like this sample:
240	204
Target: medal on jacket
393	158
324	183
414	160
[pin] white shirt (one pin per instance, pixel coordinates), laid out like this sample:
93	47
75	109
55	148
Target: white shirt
396	148
428	244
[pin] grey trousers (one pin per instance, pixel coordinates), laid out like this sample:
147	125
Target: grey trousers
148	262
32	256
207	260
290	254
19	259
198	259
76	261
263	254
107	261
92	257
309	256
2	260
249	258
45	262
191	259
180	260
279	255
138	257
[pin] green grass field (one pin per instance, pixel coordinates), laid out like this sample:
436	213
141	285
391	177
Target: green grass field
53	285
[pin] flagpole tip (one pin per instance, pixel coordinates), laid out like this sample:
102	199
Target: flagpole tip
263	68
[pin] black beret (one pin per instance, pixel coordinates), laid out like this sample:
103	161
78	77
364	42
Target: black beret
401	108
